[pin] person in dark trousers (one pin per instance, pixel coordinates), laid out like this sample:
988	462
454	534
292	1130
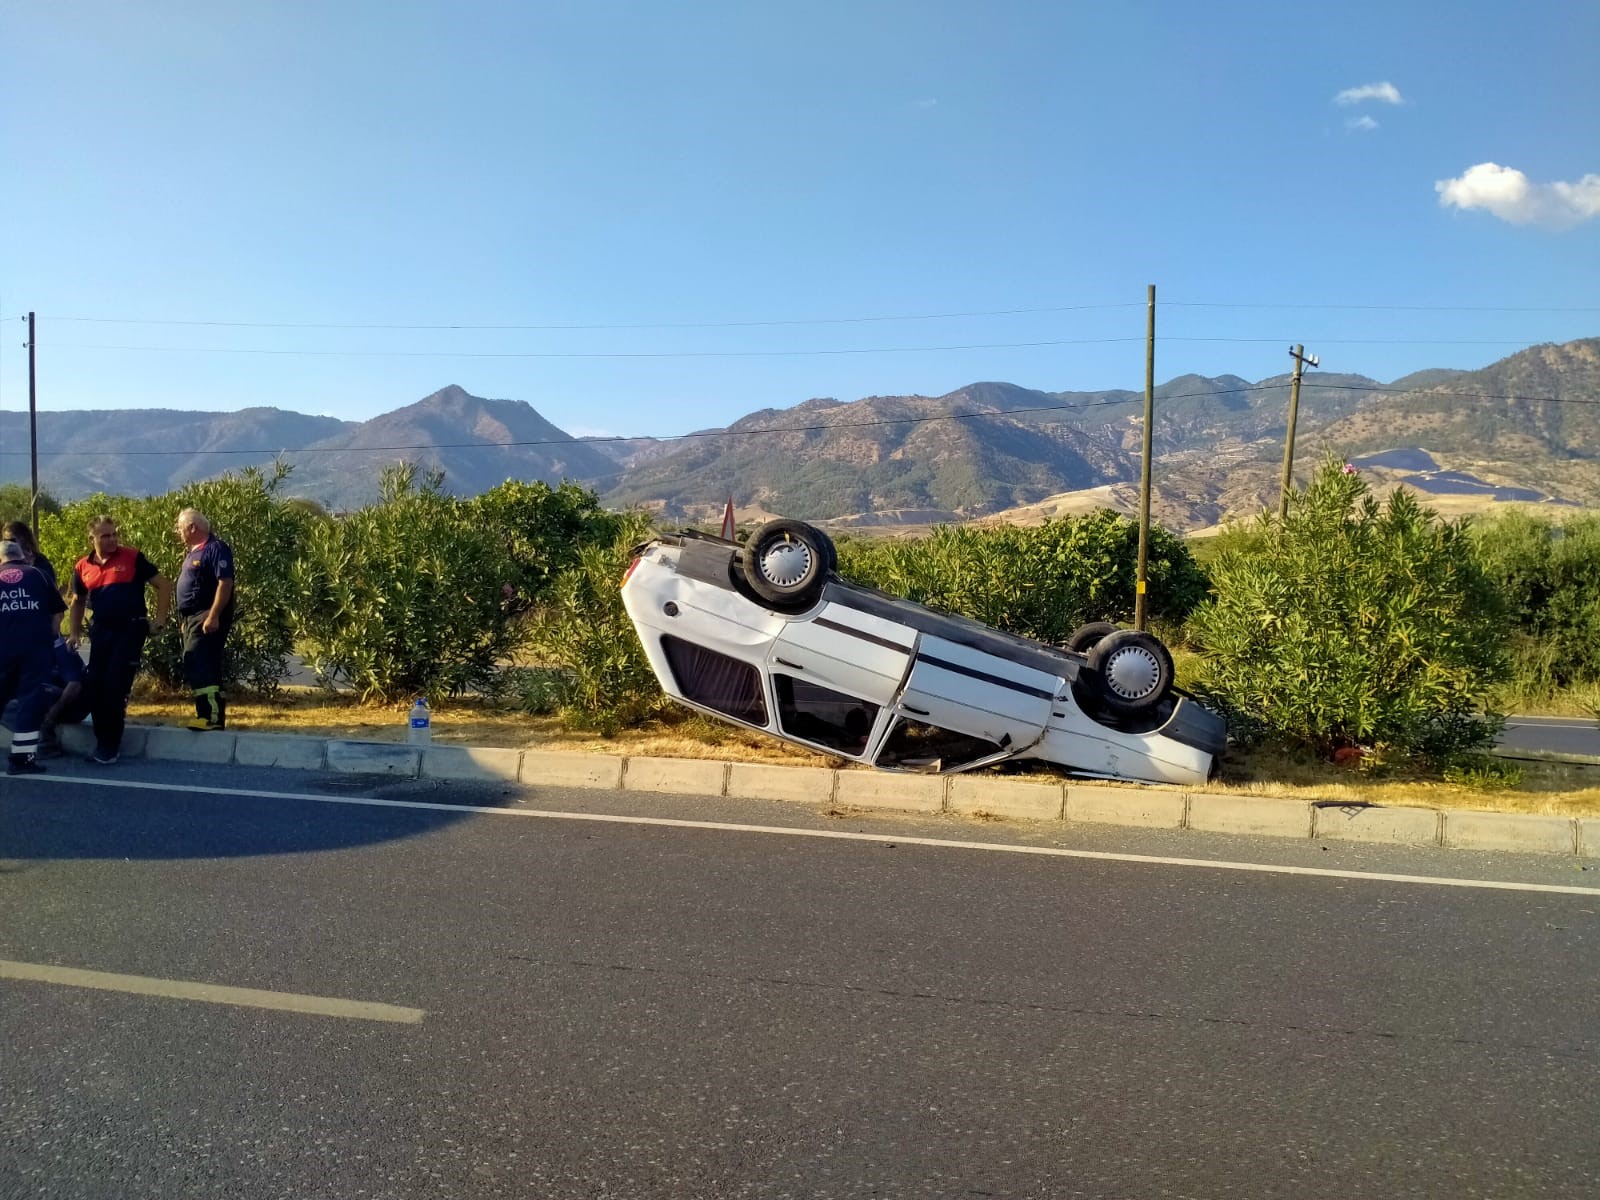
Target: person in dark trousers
67	701
22	534
205	614
110	580
30	618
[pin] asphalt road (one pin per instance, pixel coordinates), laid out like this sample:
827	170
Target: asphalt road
588	1008
1557	735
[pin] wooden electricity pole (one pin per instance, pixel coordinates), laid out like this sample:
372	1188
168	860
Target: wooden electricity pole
1301	359
1144	459
33	435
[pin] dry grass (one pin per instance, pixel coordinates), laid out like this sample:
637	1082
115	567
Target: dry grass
1550	788
316	713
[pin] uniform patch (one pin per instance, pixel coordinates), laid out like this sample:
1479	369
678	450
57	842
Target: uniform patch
11	575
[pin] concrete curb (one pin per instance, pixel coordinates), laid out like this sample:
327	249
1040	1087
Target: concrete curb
968	795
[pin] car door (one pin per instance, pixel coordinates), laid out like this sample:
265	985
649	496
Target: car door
833	674
846	650
978	694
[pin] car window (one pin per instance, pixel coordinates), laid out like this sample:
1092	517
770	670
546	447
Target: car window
913	746
820	715
725	684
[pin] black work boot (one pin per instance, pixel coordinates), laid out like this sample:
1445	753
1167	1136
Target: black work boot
23	764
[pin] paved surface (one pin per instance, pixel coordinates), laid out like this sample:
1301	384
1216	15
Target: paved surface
626	1010
1557	735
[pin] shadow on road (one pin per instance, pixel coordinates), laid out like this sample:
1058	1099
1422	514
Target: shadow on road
54	820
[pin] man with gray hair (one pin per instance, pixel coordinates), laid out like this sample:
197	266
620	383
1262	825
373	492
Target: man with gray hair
30	619
205	614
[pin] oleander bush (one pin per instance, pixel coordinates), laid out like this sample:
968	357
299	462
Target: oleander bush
1355	623
1041	582
247	511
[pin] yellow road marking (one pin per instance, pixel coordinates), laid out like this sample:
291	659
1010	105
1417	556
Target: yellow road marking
210	993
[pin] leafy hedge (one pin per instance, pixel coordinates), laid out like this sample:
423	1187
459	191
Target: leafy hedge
246	511
1041	582
1352	623
1550	577
582	631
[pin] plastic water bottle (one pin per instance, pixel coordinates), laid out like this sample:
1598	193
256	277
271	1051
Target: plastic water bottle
420	732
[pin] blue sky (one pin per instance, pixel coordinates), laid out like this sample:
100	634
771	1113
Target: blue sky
719	192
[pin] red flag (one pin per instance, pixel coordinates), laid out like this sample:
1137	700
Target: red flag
727	521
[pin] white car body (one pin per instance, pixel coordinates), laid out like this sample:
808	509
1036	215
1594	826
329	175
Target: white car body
867	677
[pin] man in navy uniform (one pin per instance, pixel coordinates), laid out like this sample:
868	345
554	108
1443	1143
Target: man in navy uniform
205	614
30	618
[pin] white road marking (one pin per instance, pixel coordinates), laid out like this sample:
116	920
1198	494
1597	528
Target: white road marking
836	834
210	993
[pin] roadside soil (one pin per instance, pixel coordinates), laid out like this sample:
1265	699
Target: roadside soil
1549	788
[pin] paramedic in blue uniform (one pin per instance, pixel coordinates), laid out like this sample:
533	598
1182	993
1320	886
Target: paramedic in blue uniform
30	618
110	581
205	614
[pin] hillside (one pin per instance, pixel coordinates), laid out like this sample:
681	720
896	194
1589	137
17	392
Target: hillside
144	451
895	462
477	442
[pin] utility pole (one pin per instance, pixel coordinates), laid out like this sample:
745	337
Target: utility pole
33	435
1144	459
1301	360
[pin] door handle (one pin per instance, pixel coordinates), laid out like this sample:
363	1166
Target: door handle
921	712
784	662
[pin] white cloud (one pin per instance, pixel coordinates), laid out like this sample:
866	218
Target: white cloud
1361	124
925	104
1510	195
1385	91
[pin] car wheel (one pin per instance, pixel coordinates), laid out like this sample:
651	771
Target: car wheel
830	552
1085	636
787	562
1132	671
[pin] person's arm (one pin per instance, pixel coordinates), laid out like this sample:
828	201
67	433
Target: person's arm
219	605
163	588
57	607
75	621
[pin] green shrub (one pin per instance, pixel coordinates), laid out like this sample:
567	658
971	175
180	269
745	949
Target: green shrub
1483	773
1040	582
16	503
1354	623
582	631
541	530
245	511
1550	578
408	596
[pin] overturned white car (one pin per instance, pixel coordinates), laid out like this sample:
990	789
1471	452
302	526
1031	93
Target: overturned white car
767	636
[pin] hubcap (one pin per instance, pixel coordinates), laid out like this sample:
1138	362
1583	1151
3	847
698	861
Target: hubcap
1132	672
785	564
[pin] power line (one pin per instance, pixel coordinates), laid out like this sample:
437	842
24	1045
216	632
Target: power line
945	316
602	354
614	354
823	427
1380	307
847	320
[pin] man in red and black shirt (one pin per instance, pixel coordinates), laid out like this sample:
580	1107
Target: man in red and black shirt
111	580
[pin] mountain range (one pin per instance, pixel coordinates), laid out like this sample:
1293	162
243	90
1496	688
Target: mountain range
1524	428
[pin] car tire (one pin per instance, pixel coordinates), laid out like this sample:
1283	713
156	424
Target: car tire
1085	636
1132	671
830	549
787	562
